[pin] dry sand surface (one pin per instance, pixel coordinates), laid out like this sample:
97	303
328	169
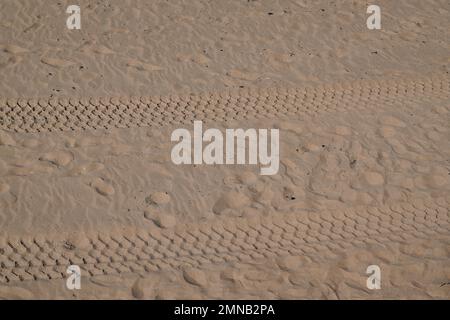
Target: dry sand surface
86	176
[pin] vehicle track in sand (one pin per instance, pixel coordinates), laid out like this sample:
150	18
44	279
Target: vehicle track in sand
60	114
224	240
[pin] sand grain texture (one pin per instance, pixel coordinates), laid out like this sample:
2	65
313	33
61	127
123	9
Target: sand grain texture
86	176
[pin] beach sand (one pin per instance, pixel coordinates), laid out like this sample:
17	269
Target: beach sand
87	179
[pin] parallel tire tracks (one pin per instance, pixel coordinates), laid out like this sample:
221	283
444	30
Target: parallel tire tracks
224	240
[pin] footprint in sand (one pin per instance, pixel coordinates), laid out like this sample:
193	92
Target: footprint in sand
100	49
142	66
231	200
397	146
373	178
433	181
311	147
87	168
58	63
233	275
289	263
292	126
247	178
343	131
76	240
158	198
387	132
21	172
293	193
348	195
201	59
392	121
243	75
195	276
433	135
441	110
89	142
59	158
162	220
102	187
143	288
13	49
31	143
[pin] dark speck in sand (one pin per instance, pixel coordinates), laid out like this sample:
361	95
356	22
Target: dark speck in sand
68	245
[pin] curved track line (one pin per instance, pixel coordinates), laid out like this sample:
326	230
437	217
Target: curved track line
238	239
46	115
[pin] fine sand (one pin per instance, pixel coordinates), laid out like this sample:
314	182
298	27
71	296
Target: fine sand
86	176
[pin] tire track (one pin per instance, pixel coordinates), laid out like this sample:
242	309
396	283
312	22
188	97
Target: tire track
224	241
61	114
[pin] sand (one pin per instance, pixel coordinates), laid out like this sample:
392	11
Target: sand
86	176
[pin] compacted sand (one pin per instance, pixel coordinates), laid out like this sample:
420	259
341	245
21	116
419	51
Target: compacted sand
86	176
